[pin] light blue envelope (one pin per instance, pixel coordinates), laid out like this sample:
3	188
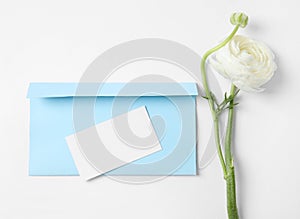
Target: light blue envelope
61	109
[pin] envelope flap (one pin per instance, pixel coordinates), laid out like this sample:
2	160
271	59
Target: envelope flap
52	90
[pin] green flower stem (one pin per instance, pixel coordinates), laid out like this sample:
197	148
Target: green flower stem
232	210
230	177
228	137
210	99
228	168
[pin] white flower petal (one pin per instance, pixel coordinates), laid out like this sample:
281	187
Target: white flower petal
249	64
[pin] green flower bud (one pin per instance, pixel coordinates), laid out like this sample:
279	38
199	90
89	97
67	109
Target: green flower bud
239	19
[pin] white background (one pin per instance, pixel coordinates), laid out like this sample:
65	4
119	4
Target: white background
55	41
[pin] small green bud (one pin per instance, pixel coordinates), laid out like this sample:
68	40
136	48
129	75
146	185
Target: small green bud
239	19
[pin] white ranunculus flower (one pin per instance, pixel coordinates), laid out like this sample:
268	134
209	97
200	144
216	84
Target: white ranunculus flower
249	64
